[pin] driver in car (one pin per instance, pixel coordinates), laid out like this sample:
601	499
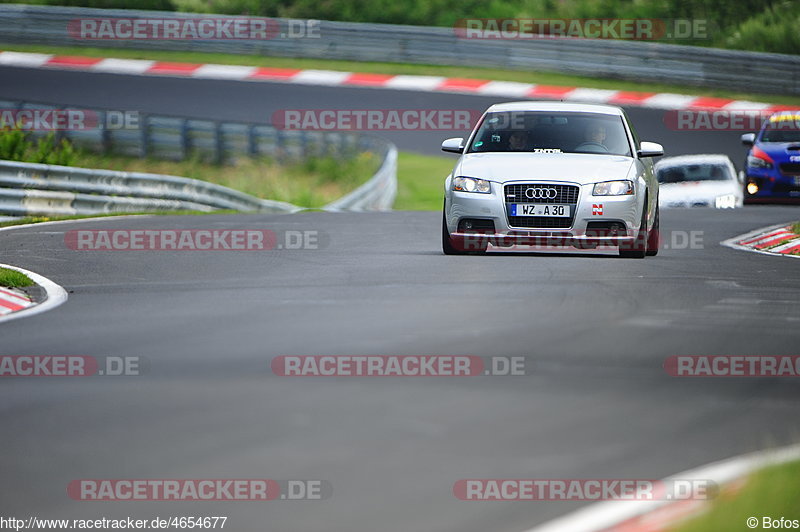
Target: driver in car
595	135
518	140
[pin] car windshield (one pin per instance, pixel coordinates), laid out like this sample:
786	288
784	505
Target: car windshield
781	131
551	132
693	172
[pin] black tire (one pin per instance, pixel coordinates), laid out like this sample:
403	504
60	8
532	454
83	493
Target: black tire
654	238
638	249
458	248
447	245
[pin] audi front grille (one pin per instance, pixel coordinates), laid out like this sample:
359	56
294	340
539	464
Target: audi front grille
541	193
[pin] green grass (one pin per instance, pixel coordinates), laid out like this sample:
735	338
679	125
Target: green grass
796	228
772	492
14	279
543	78
420	180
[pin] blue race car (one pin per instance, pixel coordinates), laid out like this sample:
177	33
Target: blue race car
772	167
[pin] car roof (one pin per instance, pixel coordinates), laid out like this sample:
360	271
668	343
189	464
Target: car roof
785	113
533	105
703	158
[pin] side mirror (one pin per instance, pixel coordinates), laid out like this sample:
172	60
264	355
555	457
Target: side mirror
748	139
454	145
740	176
650	149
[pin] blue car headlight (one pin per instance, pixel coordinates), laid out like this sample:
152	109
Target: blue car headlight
758	162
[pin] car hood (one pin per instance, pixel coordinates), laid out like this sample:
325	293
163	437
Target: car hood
780	151
574	167
689	192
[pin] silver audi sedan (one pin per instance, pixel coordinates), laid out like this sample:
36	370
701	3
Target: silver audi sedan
552	174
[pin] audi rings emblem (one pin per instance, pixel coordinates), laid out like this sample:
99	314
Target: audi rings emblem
541	193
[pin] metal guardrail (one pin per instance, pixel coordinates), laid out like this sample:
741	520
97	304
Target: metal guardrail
39	189
176	138
640	61
377	194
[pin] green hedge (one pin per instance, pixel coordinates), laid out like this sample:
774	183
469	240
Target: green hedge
17	145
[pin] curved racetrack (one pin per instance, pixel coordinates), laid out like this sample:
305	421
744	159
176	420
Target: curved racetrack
595	330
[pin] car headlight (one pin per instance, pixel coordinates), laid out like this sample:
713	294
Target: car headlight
758	162
728	201
613	188
471	184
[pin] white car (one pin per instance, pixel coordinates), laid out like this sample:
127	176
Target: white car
699	181
552	173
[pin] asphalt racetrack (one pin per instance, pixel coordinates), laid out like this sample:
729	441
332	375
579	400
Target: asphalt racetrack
257	101
594	330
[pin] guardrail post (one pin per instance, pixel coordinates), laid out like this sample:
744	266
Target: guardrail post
280	145
105	134
144	137
304	144
219	156
252	143
59	135
186	145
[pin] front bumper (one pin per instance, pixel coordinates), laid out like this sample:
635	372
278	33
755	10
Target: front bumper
772	186
555	240
596	220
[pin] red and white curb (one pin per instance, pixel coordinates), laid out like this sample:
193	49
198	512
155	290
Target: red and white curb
508	89
22	306
661	515
13	300
773	240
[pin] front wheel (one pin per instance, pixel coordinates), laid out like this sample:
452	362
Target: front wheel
654	238
458	246
637	249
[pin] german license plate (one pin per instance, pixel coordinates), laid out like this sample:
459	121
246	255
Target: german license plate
539	209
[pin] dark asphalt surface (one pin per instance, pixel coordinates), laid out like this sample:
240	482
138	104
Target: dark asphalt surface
594	330
256	101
